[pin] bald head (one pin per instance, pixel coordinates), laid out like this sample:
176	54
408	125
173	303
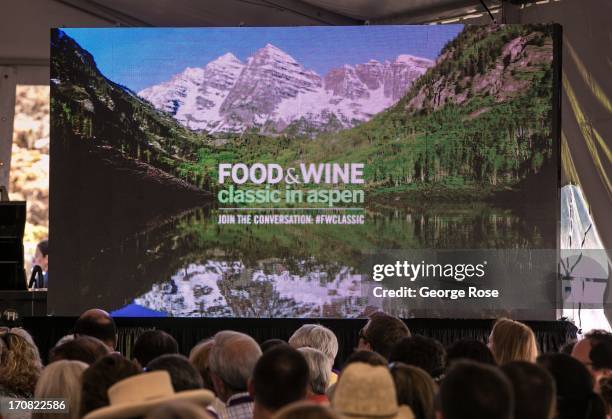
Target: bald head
232	359
98	324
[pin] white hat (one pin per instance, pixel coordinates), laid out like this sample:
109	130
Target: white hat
366	391
136	395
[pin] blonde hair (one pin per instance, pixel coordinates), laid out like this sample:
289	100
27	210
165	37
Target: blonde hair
512	341
61	379
20	363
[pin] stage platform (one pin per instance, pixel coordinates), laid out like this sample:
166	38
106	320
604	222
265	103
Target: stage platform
551	335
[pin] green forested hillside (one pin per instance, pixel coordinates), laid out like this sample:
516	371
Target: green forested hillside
482	115
86	106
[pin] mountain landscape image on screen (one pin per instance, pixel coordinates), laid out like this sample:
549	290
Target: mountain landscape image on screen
458	151
272	92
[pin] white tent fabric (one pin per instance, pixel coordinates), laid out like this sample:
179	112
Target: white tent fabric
384	9
584	262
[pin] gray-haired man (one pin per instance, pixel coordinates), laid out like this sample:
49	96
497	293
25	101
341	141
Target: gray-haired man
232	359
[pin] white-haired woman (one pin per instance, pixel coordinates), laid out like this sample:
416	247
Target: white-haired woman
318	337
319	367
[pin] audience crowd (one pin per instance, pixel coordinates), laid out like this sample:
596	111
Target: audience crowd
391	374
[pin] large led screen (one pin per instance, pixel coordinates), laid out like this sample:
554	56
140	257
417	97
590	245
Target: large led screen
304	171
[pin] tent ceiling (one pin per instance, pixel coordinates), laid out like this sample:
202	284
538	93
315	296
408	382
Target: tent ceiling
267	12
212	12
385	9
24	25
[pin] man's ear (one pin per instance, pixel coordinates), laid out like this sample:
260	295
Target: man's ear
218	385
364	345
251	388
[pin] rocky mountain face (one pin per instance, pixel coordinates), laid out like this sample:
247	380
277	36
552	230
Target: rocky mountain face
271	91
501	64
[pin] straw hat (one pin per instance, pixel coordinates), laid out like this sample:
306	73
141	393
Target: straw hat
138	394
366	391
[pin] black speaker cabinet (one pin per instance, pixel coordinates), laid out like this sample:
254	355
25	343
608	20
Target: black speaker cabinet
12	224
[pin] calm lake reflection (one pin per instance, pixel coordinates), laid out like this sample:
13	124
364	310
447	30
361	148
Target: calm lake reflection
192	266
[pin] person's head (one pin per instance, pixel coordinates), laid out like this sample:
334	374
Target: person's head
601	361
84	348
469	350
271	343
595	353
231	361
178	410
381	333
305	410
367	357
41	255
136	396
100	376
422	352
20	364
534	390
367	391
98	324
472	390
184	376
152	344
199	358
512	341
575	387
62	379
415	388
318	337
280	377
320	367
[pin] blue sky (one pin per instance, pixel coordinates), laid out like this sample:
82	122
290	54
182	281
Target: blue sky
141	57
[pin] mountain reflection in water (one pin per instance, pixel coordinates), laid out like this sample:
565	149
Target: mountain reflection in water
229	289
305	271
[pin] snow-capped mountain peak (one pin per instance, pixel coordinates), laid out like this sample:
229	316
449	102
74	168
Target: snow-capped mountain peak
272	52
272	90
192	73
411	59
227	58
